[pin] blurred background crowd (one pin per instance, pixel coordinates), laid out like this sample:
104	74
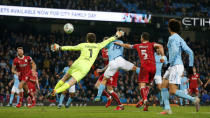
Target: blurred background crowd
49	64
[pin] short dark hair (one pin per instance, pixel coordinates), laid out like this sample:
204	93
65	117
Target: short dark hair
174	25
145	36
91	37
19	48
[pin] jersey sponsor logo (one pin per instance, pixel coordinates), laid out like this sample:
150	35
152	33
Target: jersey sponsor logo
23	65
143	46
194	78
26	60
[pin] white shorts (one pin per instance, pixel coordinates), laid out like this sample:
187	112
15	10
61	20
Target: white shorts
116	64
174	73
15	90
158	79
72	89
185	91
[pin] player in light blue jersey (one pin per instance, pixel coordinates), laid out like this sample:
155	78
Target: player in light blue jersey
72	89
158	75
116	62
14	90
184	86
172	77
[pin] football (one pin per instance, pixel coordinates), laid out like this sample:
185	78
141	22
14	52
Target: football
68	28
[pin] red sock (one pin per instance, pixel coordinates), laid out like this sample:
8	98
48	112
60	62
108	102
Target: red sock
29	100
144	92
115	96
106	94
32	97
21	97
147	91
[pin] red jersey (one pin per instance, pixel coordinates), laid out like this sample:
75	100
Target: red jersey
146	53
33	78
23	65
194	80
105	56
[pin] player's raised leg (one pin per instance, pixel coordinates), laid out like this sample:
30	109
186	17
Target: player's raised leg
62	96
105	93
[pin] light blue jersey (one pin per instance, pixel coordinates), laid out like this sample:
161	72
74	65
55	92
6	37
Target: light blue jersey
16	81
159	64
175	47
65	69
114	50
184	83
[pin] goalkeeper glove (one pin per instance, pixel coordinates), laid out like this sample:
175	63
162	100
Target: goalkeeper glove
55	47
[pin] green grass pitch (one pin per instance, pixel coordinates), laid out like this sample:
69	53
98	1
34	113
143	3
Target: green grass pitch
101	112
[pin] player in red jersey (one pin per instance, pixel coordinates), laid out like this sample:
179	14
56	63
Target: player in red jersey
111	83
194	79
32	82
24	67
146	51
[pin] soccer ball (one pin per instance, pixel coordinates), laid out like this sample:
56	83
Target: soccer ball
68	28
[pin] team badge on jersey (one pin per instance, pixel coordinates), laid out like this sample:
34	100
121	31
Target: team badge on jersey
25	60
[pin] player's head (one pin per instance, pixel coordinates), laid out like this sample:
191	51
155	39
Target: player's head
70	62
20	51
174	26
91	37
158	51
145	36
194	70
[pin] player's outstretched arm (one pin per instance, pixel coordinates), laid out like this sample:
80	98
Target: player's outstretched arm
128	46
56	47
111	39
161	49
33	66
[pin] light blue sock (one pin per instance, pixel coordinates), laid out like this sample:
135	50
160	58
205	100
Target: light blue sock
11	98
181	94
165	97
18	98
61	99
181	101
100	90
137	70
69	101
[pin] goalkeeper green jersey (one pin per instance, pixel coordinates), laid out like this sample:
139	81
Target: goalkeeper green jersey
89	53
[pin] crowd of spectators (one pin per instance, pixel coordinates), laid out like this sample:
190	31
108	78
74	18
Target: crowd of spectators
49	64
166	7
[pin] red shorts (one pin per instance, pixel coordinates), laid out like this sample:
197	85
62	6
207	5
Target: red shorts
147	74
25	77
193	90
31	86
112	81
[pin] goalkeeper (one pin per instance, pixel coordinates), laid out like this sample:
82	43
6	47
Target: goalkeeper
79	69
